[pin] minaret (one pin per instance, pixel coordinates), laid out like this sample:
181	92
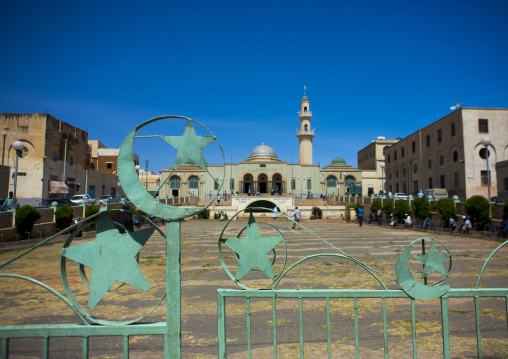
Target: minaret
305	134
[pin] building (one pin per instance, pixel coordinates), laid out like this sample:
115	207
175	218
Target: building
502	179
371	161
449	154
55	160
264	172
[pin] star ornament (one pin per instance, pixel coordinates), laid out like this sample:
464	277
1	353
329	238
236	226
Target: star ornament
112	257
253	250
433	261
189	146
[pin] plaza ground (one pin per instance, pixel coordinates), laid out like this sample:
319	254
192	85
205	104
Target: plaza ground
202	275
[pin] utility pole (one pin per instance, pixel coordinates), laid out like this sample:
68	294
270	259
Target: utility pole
146	176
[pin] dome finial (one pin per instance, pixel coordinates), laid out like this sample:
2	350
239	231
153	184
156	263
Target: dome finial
305	89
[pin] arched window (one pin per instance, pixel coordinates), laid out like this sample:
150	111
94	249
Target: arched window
216	184
293	184
309	184
306	127
305	109
349	181
193	182
331	182
174	182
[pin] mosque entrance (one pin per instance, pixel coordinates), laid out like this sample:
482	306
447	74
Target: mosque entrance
247	184
277	183
262	183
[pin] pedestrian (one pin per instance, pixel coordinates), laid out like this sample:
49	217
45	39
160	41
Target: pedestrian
124	219
360	215
297	216
135	221
453	224
10	203
379	216
408	222
275	210
420	194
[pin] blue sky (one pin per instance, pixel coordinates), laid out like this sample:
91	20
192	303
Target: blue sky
373	68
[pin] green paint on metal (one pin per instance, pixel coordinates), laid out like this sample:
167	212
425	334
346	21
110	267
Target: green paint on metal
173	288
112	257
433	261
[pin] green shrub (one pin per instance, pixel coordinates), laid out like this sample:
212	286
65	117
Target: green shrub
204	215
402	208
478	209
388	208
25	218
318	213
422	208
505	208
90	211
446	209
63	217
215	215
376	204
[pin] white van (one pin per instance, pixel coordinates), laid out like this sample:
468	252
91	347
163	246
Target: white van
436	193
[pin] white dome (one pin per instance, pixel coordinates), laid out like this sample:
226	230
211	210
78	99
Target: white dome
263	150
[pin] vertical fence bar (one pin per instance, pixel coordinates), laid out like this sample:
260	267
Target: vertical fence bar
85	347
506	302
478	333
385	329
274	325
248	328
221	325
357	346
413	326
329	338
5	347
173	295
125	347
45	348
300	309
446	327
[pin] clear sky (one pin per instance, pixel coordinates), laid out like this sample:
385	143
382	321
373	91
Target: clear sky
372	68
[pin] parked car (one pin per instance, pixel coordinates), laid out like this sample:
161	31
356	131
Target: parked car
81	199
380	195
436	193
59	202
400	196
106	198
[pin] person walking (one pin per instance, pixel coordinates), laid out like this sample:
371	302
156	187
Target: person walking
10	203
297	216
379	216
360	215
275	210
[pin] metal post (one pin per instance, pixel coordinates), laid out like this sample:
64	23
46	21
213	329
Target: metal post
488	174
173	295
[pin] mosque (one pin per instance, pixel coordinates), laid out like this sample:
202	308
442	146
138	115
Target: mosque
265	173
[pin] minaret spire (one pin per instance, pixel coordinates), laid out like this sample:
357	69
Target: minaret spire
305	134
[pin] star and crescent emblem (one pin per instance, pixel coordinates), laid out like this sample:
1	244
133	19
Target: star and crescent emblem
433	261
253	250
112	257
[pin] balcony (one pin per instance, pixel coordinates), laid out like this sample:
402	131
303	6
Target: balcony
305	113
303	133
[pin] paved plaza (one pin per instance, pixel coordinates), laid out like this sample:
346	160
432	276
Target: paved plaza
202	275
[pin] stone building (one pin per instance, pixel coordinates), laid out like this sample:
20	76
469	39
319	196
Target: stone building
105	159
371	161
448	154
55	159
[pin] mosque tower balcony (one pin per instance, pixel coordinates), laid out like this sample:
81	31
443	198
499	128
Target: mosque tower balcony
305	114
305	133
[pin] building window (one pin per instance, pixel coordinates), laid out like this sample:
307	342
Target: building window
109	165
455	156
404	172
441	160
429	163
309	185
54	155
349	181
331	182
232	184
174	183
402	152
103	190
485	181
430	183
388	159
484	153
428	140
439	135
483	126
506	184
415	168
384	150
454	132
71	160
193	182
216	184
395	156
293	184
414	146
113	191
442	181
456	175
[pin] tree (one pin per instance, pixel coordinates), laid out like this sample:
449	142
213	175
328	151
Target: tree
376	204
446	209
388	208
318	213
26	217
478	209
402	208
90	211
422	208
505	208
63	217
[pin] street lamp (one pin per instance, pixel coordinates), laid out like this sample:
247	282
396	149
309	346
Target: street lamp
486	142
382	165
18	146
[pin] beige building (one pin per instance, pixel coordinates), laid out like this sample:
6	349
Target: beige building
55	159
371	161
502	179
448	154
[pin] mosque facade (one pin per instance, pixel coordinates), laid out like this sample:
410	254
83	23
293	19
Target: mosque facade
264	173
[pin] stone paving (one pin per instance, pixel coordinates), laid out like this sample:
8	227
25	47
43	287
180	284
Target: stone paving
202	275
